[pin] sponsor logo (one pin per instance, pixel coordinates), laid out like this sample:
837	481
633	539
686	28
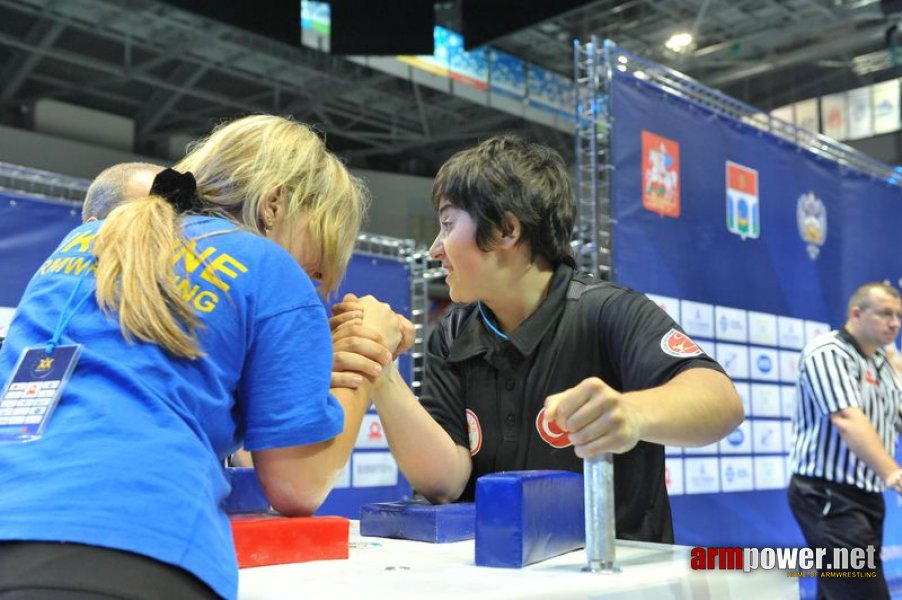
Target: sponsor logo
729	474
736	438
743	218
811	217
660	175
374	434
553	435
835	118
475	432
41	368
676	343
765	364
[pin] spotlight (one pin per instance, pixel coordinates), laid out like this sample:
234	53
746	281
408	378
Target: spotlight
679	42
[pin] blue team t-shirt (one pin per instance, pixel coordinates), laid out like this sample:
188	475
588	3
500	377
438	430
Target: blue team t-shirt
132	458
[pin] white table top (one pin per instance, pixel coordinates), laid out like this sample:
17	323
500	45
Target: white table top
399	569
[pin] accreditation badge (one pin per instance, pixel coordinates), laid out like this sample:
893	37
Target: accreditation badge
31	395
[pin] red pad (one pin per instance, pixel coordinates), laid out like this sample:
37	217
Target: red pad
262	540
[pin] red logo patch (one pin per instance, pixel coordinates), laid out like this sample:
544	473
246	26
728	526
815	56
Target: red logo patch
869	377
474	430
678	344
553	435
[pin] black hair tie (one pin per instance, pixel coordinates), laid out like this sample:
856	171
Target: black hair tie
178	189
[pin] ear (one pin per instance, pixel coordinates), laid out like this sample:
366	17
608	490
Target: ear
511	230
270	209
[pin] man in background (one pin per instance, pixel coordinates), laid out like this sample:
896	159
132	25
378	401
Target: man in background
115	184
844	437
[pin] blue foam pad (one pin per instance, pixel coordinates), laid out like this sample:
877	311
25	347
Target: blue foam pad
246	495
419	521
523	517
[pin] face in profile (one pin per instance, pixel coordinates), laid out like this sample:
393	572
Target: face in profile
455	246
293	234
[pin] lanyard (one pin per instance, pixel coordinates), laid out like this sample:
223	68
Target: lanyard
66	314
489	324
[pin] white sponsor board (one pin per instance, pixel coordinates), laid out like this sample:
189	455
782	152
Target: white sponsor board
374	469
669	305
697	318
701	475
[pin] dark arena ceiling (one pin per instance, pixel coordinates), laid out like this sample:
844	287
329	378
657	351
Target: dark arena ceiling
175	71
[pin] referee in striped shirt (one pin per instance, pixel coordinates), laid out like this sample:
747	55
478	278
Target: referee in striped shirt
844	436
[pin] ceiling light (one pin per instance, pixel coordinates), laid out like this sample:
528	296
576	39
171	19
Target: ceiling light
679	42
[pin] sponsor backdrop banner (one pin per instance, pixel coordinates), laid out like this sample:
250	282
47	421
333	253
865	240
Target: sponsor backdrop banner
833	110
806	113
861	122
754	247
886	106
31	228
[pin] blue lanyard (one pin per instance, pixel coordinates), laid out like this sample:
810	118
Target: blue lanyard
489	324
66	315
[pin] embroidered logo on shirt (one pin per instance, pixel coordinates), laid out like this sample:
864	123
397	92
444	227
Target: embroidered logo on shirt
869	377
553	435
474	431
678	344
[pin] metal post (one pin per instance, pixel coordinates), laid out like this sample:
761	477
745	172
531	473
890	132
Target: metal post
592	72
600	528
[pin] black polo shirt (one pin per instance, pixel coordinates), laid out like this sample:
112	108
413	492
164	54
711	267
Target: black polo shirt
489	393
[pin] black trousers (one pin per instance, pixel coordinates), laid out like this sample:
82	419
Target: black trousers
833	515
57	571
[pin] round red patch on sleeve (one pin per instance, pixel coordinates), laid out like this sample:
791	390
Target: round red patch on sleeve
679	344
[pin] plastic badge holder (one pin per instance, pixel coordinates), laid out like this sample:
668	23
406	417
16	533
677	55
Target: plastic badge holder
33	392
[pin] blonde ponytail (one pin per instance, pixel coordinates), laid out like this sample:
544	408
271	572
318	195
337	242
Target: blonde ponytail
135	276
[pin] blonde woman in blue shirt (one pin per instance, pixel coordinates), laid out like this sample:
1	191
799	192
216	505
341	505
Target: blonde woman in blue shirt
200	329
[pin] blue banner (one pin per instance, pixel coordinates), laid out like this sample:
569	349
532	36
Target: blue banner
372	474
754	245
30	228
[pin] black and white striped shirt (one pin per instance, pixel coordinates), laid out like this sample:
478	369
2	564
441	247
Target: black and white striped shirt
833	375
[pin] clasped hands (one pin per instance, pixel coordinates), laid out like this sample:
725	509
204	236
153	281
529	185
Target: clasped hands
366	336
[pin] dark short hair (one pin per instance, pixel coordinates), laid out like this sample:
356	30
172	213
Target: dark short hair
510	174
